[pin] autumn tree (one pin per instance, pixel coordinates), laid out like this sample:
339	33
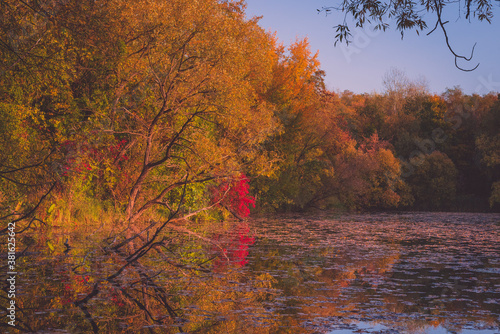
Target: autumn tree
488	143
433	182
430	112
107	64
336	161
293	92
191	100
34	104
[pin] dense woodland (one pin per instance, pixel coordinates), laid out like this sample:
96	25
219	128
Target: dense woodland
115	104
138	127
406	149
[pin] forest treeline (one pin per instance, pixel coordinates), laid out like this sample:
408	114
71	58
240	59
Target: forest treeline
405	149
181	109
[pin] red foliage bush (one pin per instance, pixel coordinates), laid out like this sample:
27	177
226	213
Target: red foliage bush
235	196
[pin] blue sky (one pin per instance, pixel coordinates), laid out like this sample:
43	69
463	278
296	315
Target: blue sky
360	67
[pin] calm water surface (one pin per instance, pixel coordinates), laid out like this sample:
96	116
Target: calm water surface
385	273
379	273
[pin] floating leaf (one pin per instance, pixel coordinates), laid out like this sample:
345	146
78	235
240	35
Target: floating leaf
50	245
51	208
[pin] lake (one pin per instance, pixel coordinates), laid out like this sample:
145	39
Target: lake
368	273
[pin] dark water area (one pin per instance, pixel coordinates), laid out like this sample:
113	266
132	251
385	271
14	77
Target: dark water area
370	273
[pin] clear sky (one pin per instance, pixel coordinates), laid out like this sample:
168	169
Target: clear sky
360	67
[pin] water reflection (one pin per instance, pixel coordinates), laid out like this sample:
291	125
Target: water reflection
386	273
407	273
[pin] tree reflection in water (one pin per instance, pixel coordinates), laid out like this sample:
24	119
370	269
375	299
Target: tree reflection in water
369	273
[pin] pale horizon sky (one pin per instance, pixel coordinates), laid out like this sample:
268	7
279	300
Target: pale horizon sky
360	67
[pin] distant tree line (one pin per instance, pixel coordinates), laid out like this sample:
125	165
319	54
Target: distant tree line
404	149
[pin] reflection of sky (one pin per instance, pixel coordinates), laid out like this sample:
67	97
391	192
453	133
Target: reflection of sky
361	66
